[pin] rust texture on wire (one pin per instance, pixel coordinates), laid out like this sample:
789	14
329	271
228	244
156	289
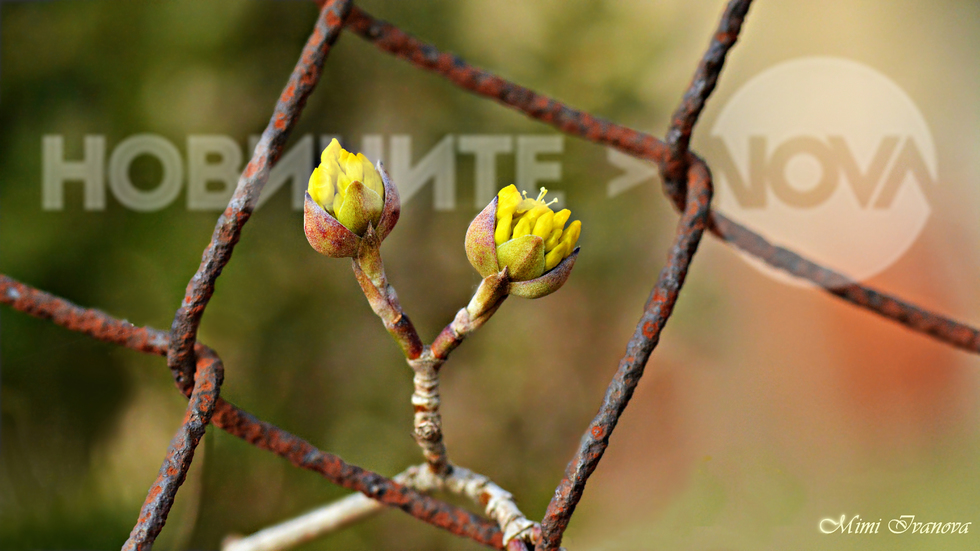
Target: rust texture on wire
231	419
94	323
228	229
919	319
645	338
159	500
393	40
692	104
678	138
300	453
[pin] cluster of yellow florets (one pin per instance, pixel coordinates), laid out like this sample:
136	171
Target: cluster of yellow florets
347	186
518	216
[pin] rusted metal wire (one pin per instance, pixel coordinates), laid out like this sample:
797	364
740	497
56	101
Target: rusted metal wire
303	79
393	40
497	503
682	124
231	419
705	79
645	338
302	454
94	323
181	351
160	498
678	139
918	319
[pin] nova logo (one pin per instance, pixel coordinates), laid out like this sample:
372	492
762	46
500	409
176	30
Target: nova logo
831	157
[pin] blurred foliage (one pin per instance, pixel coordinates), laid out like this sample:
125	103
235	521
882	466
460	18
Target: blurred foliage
85	425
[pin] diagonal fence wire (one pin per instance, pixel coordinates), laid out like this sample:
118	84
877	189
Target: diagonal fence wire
183	332
697	203
645	338
686	115
687	182
227	231
200	408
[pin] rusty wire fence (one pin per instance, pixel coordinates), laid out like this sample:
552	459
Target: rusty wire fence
198	370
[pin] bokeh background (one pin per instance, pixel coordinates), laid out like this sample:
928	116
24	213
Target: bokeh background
766	407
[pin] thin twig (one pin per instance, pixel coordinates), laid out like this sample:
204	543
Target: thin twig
308	527
498	503
486	300
440	473
425	361
302	454
370	273
314	524
427	420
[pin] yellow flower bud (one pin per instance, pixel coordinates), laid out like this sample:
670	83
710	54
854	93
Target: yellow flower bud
526	237
522	228
329	185
570	238
507	201
361	207
346	196
332	153
553	239
561	217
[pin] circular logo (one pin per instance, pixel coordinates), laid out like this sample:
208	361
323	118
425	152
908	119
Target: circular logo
829	158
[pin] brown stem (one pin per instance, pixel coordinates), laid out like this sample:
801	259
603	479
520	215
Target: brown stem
488	297
428	420
370	273
425	361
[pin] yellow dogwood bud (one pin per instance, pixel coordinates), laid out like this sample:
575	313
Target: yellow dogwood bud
528	238
346	196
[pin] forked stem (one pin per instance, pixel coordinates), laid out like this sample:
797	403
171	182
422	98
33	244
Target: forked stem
437	473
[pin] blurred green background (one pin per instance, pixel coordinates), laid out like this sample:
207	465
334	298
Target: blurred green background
766	407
